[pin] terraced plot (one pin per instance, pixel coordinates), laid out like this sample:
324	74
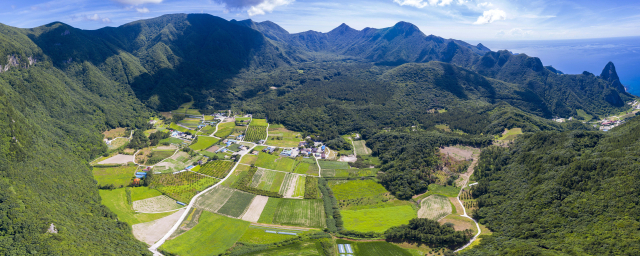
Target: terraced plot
204	142
156	204
434	207
307	213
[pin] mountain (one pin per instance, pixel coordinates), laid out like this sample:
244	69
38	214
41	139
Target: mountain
60	87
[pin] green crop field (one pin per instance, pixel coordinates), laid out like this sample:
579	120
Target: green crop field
267	180
214	199
434	207
311	190
375	248
333	164
139	193
208	130
116	201
225	129
275	162
281	137
158	155
218	169
235	175
435	189
342	173
294	212
182	186
191	123
300	186
306	168
213	235
269	210
259	122
257	235
353	189
118	176
204	142
361	148
511	134
177	127
255	133
302	248
249	159
237	204
378	219
172	140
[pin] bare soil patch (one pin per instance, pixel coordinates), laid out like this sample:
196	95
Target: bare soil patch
114	133
118	159
458	224
213	149
151	232
350	159
255	209
460	153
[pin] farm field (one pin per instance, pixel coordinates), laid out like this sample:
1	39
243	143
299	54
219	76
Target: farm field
375	248
235	175
275	162
299	188
218	168
302	248
182	186
118	176
225	129
176	163
114	133
172	140
208	130
156	204
353	189
191	123
435	189
204	142
237	204
289	185
119	142
257	122
269	210
306	213
258	235
361	148
116	201
186	109
281	137
255	133
378	219
213	235
178	128
333	165
139	193
511	134
151	232
311	190
434	207
306	168
214	199
342	173
253	212
157	156
267	180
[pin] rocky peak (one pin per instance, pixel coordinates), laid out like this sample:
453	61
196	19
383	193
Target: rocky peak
610	75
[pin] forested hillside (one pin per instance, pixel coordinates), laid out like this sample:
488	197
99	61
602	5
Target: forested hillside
50	129
574	193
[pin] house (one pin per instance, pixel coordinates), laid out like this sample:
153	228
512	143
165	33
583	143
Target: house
323	156
141	175
286	152
254	153
302	144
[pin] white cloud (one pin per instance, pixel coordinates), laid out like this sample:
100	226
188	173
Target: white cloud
94	17
106	20
515	32
138	2
485	4
425	3
142	10
267	6
491	16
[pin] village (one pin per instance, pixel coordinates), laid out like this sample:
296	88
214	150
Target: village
606	123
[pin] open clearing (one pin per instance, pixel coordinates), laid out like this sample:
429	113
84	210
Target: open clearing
511	134
281	137
214	198
213	235
118	159
378	219
118	176
114	133
460	152
434	207
361	148
119	142
255	209
156	204
306	213
151	232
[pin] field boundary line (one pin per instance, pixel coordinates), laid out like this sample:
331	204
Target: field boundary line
164	211
154	247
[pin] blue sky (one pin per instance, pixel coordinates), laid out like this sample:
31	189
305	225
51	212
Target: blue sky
460	19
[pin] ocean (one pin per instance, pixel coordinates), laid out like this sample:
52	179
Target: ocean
576	56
